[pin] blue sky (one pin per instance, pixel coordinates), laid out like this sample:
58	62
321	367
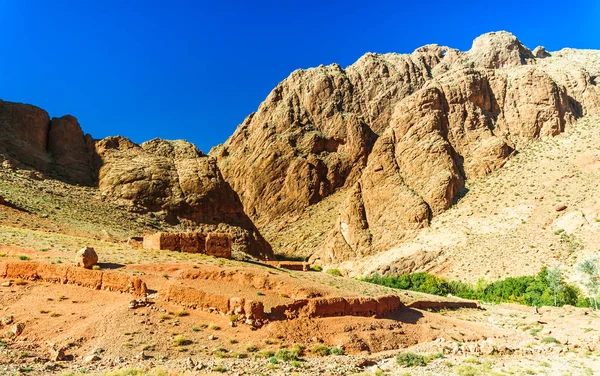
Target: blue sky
194	69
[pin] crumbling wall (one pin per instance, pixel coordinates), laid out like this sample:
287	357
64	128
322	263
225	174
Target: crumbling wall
290	265
63	274
194	298
212	244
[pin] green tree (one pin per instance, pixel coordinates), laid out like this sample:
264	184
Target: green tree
555	282
589	268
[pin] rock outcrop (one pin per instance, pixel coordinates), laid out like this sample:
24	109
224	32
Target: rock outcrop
56	147
399	135
175	178
170	178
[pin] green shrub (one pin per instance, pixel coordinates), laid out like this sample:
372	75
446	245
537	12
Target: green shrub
316	268
334	350
320	350
286	355
411	359
334	272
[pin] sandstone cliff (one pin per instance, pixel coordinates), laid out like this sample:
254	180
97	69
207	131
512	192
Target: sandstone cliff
397	136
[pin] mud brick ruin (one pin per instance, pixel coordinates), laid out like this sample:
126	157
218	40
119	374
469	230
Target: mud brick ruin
212	244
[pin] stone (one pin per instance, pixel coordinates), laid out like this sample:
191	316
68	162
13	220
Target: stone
6	320
57	354
86	258
91	359
189	363
7	284
17	329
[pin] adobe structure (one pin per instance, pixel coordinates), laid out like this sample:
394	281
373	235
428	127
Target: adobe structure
212	244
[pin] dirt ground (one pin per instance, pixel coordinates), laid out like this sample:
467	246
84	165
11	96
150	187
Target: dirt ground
100	333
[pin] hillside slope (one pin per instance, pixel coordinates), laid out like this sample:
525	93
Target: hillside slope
541	209
393	139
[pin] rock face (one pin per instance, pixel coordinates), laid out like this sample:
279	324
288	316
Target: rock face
86	258
398	135
56	147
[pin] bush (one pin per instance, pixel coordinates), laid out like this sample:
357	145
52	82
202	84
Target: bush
286	355
316	268
320	350
334	350
411	359
334	272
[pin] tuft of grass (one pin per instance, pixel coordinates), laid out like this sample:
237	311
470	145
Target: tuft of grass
181	313
265	354
24	258
180	340
409	359
467	370
549	340
20	282
96	267
220	368
220	352
252	348
214	327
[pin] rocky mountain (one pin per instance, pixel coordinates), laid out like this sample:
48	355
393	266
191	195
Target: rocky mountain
170	179
366	156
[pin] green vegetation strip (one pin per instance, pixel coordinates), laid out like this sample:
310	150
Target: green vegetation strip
547	288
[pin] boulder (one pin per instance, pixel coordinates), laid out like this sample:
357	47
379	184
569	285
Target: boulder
57	353
86	258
